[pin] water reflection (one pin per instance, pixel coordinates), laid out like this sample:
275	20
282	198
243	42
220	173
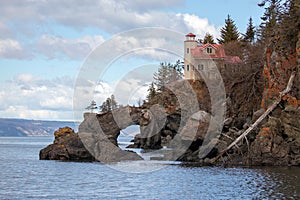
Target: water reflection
278	183
24	176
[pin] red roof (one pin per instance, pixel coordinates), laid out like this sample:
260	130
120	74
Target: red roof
190	35
233	59
199	52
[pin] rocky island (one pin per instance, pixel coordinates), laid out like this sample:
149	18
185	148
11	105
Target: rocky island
260	125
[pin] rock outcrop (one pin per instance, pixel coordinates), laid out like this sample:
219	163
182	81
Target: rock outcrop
278	140
67	146
181	117
70	146
101	141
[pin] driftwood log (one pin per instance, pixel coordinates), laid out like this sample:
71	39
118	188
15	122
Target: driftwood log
259	120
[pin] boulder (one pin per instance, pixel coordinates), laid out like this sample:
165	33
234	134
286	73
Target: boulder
84	147
101	144
66	146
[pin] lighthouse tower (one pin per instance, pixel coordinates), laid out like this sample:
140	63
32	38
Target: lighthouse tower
189	44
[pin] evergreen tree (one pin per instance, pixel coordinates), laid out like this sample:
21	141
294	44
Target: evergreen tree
281	24
270	18
229	32
114	104
92	106
161	76
175	72
108	104
250	33
151	92
208	38
289	26
166	74
104	107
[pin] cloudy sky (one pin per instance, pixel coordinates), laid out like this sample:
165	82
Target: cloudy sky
46	46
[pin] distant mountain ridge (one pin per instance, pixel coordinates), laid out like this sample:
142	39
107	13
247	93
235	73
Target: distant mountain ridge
26	127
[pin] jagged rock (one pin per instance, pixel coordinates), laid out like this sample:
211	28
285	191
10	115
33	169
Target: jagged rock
196	127
278	141
69	146
102	144
66	146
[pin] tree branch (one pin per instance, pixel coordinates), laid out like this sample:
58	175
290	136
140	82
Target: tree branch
260	119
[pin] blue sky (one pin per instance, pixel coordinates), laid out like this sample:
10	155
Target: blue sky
44	46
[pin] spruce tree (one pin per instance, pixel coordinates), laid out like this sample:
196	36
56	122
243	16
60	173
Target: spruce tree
281	23
104	107
151	92
92	106
208	39
114	104
250	33
108	104
270	18
166	74
229	32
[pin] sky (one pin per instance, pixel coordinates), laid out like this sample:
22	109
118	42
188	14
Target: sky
58	55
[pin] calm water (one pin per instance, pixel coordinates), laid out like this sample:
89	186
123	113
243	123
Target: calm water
24	176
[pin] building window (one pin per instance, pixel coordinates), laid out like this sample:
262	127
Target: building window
200	67
209	50
193	68
187	68
187	50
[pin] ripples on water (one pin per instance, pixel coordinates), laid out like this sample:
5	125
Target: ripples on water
23	176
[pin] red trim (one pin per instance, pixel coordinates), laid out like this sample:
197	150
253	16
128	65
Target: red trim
190	35
198	53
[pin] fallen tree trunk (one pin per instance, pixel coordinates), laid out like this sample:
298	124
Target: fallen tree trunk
259	120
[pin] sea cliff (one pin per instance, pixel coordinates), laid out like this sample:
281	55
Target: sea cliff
181	124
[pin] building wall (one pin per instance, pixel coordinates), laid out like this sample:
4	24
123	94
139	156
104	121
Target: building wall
188	59
203	68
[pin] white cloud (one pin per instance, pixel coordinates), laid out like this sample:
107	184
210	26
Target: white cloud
35	98
27	113
130	91
107	16
27	96
10	48
25	78
56	102
199	26
54	46
60	29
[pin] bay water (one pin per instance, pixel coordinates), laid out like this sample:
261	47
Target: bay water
24	176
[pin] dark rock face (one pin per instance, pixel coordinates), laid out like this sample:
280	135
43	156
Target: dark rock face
69	146
111	123
66	146
102	145
191	131
278	140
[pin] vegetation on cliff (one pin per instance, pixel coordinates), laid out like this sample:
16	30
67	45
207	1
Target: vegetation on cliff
175	107
255	85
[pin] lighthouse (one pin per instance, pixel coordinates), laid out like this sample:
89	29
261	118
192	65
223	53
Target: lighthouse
189	44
